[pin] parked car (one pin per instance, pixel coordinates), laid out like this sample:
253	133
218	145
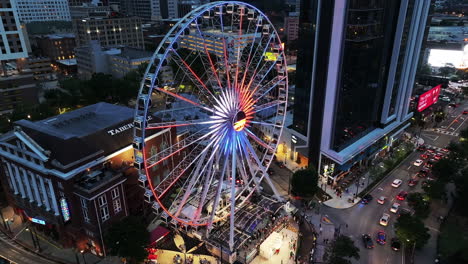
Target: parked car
384	219
418	162
395	244
381	238
394	208
438	157
381	200
465	112
396	183
366	199
367	241
402	196
424	156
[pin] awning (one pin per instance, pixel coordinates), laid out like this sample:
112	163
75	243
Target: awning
157	234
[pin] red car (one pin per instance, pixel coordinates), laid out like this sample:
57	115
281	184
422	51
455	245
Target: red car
438	157
465	112
424	156
402	196
430	150
412	182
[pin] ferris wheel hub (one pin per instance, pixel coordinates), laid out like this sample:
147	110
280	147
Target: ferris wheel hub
239	121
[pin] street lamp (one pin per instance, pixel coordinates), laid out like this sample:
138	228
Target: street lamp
82	255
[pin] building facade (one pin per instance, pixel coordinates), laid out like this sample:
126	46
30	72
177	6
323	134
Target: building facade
75	196
17	90
350	108
43	10
115	61
291	27
12	42
109	31
57	46
164	9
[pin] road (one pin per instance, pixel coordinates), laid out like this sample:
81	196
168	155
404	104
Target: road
17	254
364	219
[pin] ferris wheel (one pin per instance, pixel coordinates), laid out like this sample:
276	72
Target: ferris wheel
217	83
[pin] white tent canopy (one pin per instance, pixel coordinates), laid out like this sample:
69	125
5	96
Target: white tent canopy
271	244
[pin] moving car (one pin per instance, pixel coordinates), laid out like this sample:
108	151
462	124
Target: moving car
381	238
465	112
394	208
396	183
428	165
367	240
424	156
418	162
422	173
395	244
366	199
405	211
413	182
384	219
402	196
438	156
422	148
381	200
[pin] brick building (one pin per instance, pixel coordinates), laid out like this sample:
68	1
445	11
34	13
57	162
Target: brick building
72	174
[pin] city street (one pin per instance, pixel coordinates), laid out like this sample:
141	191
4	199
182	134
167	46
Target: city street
364	219
17	254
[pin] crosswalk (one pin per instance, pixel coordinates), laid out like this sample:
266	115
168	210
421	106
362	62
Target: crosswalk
445	132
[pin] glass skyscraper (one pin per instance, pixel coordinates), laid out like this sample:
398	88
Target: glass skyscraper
355	72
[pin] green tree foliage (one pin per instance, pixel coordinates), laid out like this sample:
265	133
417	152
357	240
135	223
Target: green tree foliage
48	27
420	204
435	189
342	250
447	70
128	239
304	183
445	169
410	230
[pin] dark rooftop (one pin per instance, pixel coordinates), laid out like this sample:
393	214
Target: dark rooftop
84	134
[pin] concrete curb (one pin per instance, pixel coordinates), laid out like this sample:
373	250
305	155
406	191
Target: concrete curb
377	184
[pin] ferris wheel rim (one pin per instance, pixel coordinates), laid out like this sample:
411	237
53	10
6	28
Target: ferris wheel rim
180	27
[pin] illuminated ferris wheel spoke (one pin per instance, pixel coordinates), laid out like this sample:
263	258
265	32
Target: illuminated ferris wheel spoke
196	174
257	139
214	74
176	148
262	168
181	123
259	93
268	105
265	124
213	69
179	97
181	168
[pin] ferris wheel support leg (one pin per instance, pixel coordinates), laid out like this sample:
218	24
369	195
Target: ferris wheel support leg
263	169
216	202
233	198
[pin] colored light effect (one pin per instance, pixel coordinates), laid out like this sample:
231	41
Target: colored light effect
270	56
65	210
429	98
239	125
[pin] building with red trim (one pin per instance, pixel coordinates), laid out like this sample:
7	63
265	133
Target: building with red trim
72	175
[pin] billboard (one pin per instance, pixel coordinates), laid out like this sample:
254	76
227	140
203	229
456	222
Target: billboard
429	98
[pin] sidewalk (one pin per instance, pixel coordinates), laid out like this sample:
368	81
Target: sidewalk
342	201
21	233
325	233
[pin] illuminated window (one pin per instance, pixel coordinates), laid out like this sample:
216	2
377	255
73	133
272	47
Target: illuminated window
117	206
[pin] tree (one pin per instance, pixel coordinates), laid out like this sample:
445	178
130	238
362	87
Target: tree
420	204
128	238
445	169
342	250
412	231
304	183
446	71
435	190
